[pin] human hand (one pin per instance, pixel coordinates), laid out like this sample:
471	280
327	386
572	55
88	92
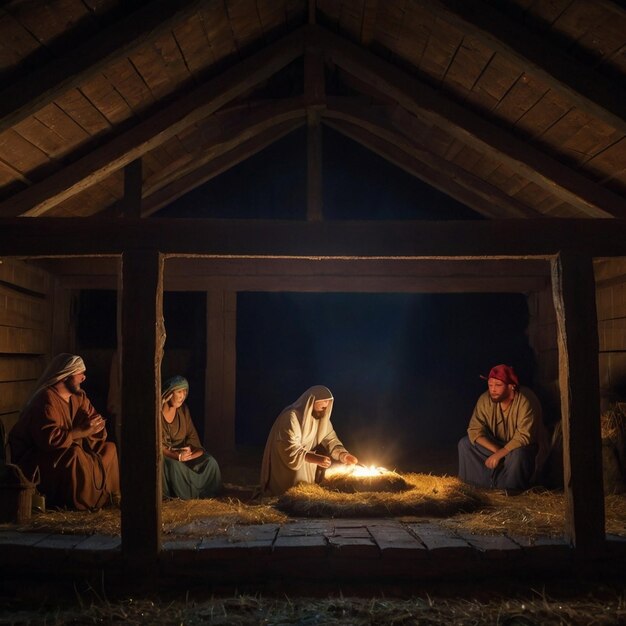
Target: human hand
492	461
319	459
89	428
184	454
348	459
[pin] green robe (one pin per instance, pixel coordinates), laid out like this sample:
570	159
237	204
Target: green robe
198	478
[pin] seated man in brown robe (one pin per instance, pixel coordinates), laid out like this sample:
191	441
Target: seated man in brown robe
61	433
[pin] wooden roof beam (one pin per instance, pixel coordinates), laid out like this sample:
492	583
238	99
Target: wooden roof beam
373	127
36	89
434	108
463	239
155	130
225	131
591	92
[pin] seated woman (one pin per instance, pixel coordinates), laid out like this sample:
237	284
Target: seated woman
188	471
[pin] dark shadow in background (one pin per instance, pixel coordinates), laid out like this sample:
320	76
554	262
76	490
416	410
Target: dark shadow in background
404	368
185	326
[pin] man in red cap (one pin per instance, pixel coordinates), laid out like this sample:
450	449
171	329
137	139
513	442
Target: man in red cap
506	441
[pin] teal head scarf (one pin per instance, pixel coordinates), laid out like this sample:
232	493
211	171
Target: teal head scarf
172	384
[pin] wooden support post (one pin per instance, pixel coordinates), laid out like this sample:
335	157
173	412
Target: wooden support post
131	203
314	88
221	337
314	167
142	339
573	289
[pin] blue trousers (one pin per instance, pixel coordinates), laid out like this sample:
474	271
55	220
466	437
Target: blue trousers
513	472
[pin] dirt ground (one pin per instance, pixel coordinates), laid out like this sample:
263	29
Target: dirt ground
511	603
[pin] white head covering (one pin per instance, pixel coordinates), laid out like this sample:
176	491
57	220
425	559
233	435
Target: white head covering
61	366
304	404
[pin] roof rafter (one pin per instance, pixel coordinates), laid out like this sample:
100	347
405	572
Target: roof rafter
373	127
40	87
430	105
155	130
217	165
589	91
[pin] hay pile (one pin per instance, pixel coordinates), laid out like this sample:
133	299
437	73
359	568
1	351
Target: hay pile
613	429
189	517
427	495
535	513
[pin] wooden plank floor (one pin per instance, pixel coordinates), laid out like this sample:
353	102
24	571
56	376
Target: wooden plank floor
359	551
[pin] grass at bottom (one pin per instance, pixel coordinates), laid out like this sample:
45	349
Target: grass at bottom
441	604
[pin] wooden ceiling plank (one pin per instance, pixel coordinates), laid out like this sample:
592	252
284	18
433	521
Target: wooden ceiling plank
38	134
125	79
41	86
151	67
440	52
466	68
428	104
99	92
20	154
495	82
245	22
191	38
588	90
155	130
173	60
87	116
219	32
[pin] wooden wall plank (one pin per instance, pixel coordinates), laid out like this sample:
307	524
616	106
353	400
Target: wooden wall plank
22	311
23	340
574	301
13	395
14	368
19	274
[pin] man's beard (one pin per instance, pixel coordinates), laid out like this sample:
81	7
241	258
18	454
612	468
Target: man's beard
71	386
502	397
318	414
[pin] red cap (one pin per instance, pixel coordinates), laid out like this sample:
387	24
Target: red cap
505	373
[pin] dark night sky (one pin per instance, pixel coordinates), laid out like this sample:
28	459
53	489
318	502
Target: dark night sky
404	368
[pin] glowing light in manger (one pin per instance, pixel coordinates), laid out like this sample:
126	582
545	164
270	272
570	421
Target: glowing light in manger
359	471
353	478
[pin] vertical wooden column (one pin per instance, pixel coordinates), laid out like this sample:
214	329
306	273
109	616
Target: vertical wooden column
573	289
314	90
221	368
142	339
131	202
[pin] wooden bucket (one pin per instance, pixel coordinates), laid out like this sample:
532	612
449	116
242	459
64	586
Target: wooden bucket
16	494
